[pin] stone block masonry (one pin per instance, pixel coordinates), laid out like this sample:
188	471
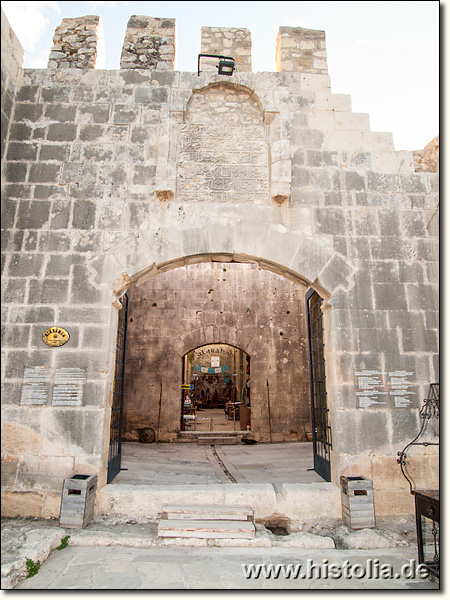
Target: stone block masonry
227	41
78	43
12	60
240	304
149	44
112	179
301	50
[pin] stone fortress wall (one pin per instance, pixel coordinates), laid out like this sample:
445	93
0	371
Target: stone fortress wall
110	178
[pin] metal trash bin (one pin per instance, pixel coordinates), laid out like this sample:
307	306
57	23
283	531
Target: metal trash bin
77	502
357	502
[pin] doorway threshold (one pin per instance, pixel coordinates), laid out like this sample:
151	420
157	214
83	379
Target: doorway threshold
273	479
196	464
300	502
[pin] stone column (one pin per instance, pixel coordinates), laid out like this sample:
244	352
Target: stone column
301	50
78	43
149	44
226	41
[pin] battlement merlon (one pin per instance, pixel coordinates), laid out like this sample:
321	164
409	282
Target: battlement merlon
227	41
150	43
78	43
301	50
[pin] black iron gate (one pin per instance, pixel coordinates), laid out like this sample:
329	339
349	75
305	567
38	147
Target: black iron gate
115	439
319	411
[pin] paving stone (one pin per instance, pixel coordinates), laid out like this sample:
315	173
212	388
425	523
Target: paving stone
215	568
366	538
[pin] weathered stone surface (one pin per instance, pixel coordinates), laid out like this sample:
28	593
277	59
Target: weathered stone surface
206	301
301	50
149	44
226	41
78	43
367	539
427	160
238	171
142	174
304	539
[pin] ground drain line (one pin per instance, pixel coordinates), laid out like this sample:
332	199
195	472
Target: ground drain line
221	463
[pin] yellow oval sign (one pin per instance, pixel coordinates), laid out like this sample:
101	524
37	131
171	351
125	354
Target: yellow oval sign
55	336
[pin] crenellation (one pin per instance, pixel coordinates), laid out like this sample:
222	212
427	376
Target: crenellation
149	44
301	50
78	43
226	41
170	185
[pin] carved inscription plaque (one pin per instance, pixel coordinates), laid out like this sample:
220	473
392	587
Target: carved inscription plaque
223	163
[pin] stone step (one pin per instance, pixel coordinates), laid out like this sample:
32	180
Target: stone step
180	528
217	440
206	512
296	501
192	436
211	433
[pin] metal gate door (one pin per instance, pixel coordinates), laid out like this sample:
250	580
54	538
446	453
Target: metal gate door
319	411
115	439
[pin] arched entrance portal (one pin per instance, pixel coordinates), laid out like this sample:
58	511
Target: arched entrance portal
237	304
216	390
262	315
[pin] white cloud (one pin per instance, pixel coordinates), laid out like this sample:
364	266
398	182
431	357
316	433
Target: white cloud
29	20
94	4
39	59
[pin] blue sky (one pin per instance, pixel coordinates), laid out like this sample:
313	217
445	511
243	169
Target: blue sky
384	54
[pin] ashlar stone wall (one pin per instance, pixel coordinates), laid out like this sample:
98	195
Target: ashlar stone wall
237	304
109	180
11	74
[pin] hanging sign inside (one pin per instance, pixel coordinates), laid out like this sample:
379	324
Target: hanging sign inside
211	370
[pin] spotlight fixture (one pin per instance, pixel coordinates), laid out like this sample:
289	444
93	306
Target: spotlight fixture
225	66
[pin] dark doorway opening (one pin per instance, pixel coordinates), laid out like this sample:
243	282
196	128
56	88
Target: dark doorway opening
216	389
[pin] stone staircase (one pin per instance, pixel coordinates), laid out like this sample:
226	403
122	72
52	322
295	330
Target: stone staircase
206	521
212	437
217	440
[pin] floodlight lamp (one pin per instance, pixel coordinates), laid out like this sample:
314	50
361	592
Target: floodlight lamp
225	66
